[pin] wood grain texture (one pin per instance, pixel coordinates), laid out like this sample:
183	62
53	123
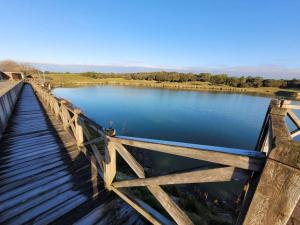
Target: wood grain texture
279	128
134	205
201	176
286	152
294	118
131	161
276	195
243	162
166	202
110	164
169	205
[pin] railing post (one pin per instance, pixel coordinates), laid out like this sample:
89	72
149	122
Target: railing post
110	162
278	189
62	112
79	130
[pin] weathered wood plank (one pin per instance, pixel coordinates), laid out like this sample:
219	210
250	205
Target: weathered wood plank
199	176
204	153
131	161
110	164
286	152
295	133
94	148
276	195
78	127
170	206
292	106
134	205
279	128
294	118
93	141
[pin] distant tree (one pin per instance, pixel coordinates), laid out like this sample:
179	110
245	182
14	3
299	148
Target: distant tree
274	83
12	66
294	83
219	79
204	77
232	81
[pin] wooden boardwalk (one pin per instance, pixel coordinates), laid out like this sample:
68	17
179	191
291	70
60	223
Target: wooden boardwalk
44	178
59	167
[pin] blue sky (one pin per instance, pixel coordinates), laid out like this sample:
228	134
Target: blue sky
240	36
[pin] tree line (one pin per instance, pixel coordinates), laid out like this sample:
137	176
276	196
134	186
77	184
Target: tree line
163	76
218	79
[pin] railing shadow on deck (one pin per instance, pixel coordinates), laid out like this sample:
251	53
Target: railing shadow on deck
85	179
249	167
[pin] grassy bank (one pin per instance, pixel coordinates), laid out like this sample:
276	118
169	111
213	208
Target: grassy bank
73	80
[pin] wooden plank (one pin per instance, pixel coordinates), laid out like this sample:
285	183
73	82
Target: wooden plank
292	106
199	176
94	148
267	144
279	128
286	152
96	127
110	164
93	141
225	158
71	121
278	111
134	205
264	130
294	118
78	128
248	193
295	133
276	195
131	161
169	205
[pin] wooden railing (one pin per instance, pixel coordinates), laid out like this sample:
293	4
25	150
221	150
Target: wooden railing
7	103
270	174
273	195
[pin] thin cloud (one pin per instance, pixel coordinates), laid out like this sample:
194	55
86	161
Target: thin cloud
267	71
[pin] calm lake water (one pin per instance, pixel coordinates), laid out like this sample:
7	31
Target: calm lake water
220	119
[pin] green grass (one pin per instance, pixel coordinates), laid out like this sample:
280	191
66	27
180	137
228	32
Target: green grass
73	80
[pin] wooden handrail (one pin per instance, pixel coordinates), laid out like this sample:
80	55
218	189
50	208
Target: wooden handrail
247	159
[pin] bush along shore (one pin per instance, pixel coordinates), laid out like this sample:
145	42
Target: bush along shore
173	80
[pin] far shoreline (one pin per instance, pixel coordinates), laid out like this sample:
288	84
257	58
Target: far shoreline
67	81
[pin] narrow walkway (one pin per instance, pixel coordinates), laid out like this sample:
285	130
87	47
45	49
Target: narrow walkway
44	179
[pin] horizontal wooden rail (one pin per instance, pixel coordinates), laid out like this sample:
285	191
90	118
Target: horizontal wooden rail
288	106
244	159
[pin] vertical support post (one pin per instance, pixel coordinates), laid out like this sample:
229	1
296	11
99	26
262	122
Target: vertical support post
110	161
110	164
62	113
79	130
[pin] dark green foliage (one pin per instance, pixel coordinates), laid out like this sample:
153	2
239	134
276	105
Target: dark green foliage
218	79
274	83
293	83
